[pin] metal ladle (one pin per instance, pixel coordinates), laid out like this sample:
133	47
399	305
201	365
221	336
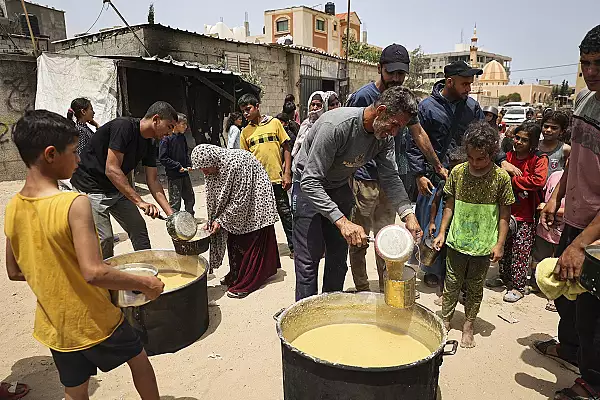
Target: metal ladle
395	244
181	225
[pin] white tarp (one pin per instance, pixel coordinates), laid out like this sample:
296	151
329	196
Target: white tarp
62	78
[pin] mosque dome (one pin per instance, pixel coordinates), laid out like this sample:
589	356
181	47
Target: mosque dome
494	74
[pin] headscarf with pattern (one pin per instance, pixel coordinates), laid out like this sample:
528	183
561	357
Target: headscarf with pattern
239	196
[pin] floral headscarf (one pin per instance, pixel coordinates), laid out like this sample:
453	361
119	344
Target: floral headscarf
239	196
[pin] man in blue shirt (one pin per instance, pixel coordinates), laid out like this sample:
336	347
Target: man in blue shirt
372	210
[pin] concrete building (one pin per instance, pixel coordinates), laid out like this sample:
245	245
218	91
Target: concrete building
533	94
493	83
471	54
50	21
309	27
277	69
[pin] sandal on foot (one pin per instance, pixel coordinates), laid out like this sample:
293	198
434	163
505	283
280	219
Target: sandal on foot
13	390
542	348
431	280
238	295
513	296
570	394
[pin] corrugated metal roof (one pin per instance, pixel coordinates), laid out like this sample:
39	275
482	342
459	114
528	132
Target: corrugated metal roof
189	65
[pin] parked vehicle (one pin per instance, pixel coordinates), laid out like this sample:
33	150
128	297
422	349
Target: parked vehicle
515	115
512	104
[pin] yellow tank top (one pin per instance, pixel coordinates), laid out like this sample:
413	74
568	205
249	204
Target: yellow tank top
71	314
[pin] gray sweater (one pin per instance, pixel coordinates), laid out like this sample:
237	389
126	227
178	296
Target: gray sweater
335	147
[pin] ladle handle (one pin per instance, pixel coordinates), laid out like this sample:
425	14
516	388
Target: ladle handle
161	217
370	239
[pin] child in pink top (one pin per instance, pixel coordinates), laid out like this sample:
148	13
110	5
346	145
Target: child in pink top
546	240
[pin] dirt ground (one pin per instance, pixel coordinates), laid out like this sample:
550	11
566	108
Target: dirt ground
240	357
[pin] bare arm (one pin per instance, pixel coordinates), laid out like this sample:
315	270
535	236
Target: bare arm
157	190
549	212
433	211
287	165
12	268
440	239
570	262
566	150
113	171
89	257
424	144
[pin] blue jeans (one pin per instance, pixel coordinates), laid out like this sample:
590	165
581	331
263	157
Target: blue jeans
313	233
422	212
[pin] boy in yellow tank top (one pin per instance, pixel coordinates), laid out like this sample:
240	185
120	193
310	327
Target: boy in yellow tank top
51	242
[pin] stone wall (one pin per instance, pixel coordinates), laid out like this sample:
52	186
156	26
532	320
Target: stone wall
119	42
20	43
17	94
360	74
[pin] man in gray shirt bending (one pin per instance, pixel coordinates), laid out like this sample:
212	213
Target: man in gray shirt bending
340	142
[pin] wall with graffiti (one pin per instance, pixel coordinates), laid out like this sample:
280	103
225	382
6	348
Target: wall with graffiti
17	94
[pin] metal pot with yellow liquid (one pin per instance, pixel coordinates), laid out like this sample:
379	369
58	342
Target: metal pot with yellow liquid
355	346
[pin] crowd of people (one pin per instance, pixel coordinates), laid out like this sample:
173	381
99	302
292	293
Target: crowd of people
331	180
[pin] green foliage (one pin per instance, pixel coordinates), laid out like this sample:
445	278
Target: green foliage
361	51
151	13
503	99
564	88
514	97
418	64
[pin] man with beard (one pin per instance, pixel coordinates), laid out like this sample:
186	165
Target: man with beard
340	142
445	116
372	210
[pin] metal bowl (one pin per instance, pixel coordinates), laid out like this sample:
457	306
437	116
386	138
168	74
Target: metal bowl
132	298
195	246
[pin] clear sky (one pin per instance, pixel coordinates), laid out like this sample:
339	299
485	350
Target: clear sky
535	33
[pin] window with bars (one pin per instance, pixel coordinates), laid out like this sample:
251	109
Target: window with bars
238	62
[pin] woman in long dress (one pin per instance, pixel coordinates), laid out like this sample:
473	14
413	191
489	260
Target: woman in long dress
241	213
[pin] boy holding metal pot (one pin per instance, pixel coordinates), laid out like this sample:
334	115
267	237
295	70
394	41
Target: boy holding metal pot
52	243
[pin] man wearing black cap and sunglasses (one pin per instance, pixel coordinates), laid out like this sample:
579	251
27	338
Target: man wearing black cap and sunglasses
372	210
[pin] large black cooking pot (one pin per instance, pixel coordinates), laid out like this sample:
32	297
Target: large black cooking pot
590	271
178	317
308	378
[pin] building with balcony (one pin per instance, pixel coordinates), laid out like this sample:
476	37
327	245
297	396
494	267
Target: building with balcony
310	27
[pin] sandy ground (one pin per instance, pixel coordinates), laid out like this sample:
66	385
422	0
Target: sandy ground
239	356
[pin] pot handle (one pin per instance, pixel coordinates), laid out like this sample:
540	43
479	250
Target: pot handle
452	351
277	314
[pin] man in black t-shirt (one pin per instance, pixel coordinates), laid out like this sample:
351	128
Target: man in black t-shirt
113	152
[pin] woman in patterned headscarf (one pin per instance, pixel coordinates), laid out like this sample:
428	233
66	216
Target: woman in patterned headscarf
241	213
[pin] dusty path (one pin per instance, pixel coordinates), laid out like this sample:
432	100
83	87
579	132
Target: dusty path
245	358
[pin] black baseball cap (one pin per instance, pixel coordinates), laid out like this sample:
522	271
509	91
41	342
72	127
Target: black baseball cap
395	58
461	68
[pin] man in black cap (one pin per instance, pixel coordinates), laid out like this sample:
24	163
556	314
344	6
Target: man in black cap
445	116
372	210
